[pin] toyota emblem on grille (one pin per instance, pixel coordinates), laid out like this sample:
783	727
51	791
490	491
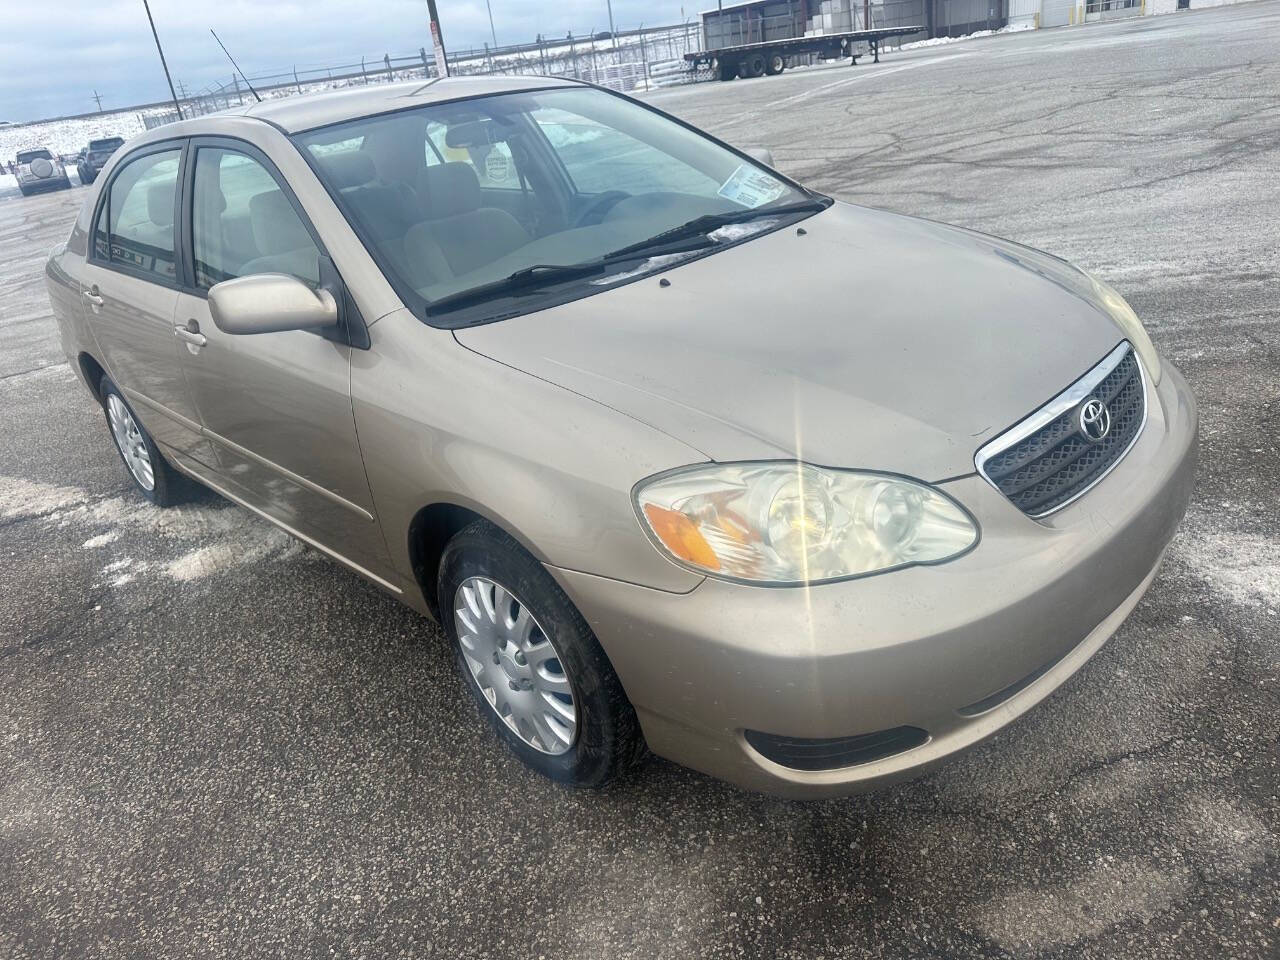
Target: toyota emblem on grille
1095	420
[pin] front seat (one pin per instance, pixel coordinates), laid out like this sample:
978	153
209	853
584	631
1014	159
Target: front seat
468	235
281	239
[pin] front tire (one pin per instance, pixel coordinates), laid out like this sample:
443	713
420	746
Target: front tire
150	473
534	667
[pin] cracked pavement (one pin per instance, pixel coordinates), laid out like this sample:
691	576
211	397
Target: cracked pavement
217	743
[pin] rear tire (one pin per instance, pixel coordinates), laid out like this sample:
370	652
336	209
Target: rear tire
149	471
727	70
510	687
752	66
775	64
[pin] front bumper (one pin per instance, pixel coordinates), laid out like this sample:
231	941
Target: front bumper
1017	615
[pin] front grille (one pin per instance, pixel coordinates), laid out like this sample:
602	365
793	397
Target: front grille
800	753
1048	460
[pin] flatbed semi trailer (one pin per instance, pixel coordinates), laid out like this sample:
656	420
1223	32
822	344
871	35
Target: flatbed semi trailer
773	56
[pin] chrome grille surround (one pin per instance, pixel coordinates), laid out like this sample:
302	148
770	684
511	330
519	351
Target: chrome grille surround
1044	462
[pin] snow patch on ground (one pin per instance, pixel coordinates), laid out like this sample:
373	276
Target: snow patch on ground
217	557
211	539
21	498
1244	567
941	41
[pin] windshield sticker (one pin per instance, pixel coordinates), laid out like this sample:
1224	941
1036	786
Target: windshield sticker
495	167
751	187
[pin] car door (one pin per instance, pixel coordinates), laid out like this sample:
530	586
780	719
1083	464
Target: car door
130	291
277	406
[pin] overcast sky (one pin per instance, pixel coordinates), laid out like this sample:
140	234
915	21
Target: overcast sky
53	55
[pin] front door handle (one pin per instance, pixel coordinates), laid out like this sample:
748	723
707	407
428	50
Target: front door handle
94	298
190	334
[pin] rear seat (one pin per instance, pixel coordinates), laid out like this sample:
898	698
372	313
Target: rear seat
280	237
384	210
458	228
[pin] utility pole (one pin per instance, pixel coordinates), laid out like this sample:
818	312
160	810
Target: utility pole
612	33
176	105
492	32
437	41
97	98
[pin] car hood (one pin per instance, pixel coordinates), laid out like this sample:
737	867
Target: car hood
870	340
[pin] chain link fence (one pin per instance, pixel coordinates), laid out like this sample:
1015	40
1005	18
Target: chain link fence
620	61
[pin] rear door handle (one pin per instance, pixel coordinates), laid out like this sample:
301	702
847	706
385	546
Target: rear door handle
190	334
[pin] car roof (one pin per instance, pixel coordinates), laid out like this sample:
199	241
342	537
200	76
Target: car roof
309	111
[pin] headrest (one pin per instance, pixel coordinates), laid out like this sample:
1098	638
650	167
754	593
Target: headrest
349	169
160	204
275	224
212	201
451	188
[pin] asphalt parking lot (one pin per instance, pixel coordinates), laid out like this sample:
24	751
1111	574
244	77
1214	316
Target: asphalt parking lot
217	743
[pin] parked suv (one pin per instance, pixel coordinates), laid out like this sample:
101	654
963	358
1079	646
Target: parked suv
95	156
39	170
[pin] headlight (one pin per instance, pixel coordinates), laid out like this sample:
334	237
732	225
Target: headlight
786	523
1130	325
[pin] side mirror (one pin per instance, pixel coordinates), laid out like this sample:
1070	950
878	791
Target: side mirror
763	154
269	303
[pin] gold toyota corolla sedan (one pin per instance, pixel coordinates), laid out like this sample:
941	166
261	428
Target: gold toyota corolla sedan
683	456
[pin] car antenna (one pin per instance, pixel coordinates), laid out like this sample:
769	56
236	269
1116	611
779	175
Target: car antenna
237	66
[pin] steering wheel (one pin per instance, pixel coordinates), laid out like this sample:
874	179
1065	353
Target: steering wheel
600	206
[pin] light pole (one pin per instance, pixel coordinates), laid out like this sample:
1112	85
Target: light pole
177	106
612	35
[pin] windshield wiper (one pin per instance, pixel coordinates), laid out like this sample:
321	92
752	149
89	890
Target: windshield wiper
527	278
713	221
687	237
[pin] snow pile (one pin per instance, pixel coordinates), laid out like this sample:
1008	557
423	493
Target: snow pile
69	137
939	41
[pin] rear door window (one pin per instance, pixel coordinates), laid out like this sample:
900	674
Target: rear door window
135	226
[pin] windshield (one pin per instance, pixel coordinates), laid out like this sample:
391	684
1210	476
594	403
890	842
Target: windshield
458	200
28	155
109	144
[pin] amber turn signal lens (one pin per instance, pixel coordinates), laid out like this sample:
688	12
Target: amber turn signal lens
680	536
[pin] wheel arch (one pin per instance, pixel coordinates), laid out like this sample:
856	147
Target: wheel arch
430	531
92	372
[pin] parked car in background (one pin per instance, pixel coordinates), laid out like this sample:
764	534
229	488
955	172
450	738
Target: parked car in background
95	156
681	454
40	170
